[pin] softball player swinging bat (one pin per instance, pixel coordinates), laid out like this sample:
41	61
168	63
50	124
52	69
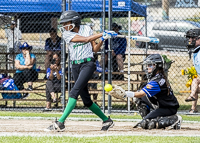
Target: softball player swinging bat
155	102
81	44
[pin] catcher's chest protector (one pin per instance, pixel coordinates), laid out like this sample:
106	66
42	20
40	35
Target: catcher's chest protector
162	99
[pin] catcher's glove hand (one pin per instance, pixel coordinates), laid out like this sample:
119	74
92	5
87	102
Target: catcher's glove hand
118	92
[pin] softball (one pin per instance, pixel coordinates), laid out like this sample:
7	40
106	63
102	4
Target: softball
108	87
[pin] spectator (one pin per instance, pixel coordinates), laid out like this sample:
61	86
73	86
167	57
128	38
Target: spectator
53	84
52	44
193	45
26	68
118	52
13	35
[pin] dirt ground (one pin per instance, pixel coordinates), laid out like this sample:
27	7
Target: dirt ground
89	128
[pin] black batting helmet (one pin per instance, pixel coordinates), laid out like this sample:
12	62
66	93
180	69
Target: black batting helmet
72	16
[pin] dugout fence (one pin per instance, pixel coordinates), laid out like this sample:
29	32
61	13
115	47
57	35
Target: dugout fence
165	20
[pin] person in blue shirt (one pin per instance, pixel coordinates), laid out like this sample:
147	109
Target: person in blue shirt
53	84
155	102
118	52
193	45
52	44
25	63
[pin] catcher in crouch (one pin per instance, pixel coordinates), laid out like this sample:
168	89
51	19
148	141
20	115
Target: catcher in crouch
155	102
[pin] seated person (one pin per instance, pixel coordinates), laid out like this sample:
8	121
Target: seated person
52	44
118	52
53	84
26	68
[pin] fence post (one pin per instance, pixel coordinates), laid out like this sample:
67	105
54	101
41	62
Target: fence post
63	51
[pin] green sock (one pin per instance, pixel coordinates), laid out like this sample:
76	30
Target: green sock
96	110
70	106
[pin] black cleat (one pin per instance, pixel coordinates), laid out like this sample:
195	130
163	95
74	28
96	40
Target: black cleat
56	126
107	124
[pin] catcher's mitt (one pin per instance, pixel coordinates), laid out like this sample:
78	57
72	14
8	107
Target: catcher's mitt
118	92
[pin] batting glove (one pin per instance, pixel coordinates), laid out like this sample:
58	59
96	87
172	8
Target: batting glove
130	94
108	35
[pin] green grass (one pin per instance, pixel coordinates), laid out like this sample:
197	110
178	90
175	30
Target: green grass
114	116
110	139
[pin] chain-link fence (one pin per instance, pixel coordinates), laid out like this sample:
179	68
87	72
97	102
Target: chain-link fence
29	37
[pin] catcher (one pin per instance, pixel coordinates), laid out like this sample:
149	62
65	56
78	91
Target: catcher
155	102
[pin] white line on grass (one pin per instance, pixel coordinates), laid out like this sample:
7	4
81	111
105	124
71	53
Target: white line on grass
79	119
101	135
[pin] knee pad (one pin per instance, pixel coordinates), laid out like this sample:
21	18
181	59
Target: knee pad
142	108
166	121
144	123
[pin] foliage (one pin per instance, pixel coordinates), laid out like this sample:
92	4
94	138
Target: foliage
191	74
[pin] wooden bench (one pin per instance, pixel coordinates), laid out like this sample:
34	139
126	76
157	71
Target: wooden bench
185	91
37	91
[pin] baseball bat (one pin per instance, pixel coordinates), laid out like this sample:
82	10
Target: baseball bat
141	38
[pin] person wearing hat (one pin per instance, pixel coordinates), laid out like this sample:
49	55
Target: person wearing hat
25	63
13	34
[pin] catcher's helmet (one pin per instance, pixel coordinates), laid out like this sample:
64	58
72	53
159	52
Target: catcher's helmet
157	63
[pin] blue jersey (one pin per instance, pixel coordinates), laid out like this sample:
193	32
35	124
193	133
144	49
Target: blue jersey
50	46
118	45
196	60
152	88
21	59
157	93
54	74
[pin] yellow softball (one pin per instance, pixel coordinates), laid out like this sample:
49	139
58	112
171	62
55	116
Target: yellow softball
108	87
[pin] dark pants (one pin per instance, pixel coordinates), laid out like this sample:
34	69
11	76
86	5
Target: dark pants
52	86
82	74
159	112
28	75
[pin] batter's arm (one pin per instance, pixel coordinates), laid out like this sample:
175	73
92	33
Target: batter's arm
83	39
96	47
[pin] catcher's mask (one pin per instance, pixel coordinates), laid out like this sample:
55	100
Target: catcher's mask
68	16
152	64
191	36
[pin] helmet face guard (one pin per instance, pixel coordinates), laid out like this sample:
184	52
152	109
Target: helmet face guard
62	28
155	62
149	64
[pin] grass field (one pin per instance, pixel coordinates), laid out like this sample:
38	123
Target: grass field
108	139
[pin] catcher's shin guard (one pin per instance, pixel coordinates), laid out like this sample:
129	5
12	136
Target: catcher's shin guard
142	107
144	123
168	121
152	124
